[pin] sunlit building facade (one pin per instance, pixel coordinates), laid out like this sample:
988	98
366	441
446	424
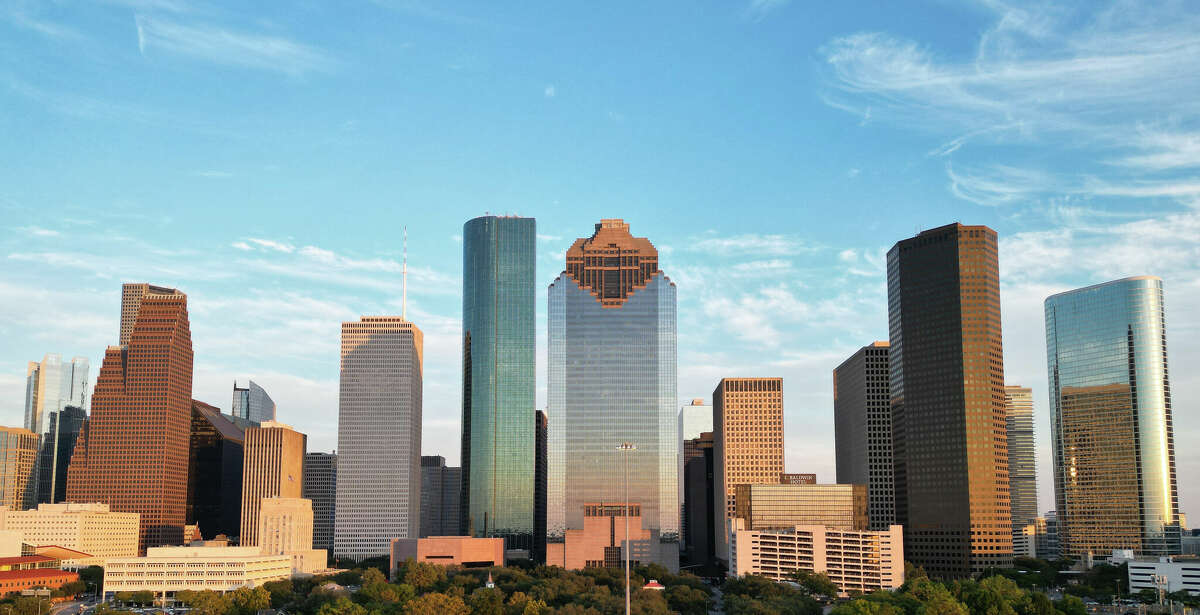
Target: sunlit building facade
612	379
143	395
1022	470
1110	408
946	371
747	443
379	436
766	506
18	456
498	340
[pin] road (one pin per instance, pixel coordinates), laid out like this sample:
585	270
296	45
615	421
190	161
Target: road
67	608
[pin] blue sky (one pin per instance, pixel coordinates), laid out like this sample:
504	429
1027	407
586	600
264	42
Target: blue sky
266	161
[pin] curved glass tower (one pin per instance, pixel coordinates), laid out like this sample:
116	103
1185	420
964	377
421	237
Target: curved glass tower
612	379
1110	401
498	336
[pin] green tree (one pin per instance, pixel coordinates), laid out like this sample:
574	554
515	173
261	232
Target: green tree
1071	605
206	602
687	600
282	592
436	604
30	605
93	576
861	606
534	607
995	595
248	601
485	601
816	584
341	606
144	598
422	575
1147	596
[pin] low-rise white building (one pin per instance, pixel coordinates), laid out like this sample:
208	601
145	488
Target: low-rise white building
855	560
1165	573
90	528
285	527
167	570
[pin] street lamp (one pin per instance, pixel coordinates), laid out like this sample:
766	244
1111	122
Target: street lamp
627	448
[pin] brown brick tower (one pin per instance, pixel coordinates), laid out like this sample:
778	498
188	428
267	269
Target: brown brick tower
133	454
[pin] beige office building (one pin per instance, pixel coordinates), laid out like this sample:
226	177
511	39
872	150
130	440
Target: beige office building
91	528
18	454
273	466
857	561
167	570
747	442
285	527
766	507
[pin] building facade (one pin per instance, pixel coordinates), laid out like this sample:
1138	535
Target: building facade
320	486
1110	409
747	442
1022	464
32	571
602	540
498	335
441	488
857	561
58	444
462	551
50	386
695	418
775	506
539	486
252	403
699	546
612	380
862	421
1046	537
273	466
215	467
165	571
18	460
946	371
91	528
285	527
143	394
379	436
1164	574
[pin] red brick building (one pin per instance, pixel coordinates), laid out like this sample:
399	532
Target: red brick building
30	572
133	454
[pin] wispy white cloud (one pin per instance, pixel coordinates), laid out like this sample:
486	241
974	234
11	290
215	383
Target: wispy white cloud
213	174
19	14
1096	81
758	9
222	45
549	91
750	243
271	244
37	231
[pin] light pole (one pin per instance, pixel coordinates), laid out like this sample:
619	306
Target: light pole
627	448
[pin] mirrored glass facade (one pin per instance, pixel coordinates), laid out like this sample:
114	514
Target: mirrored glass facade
612	379
1022	471
498	337
1114	458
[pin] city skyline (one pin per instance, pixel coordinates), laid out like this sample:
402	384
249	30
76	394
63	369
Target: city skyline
788	289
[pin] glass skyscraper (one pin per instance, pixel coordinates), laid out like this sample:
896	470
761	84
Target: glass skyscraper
252	403
612	379
1110	410
498	337
51	385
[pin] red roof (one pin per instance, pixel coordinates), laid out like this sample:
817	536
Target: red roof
25	559
654	584
39	573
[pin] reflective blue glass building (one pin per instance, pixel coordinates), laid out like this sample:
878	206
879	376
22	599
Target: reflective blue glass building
612	379
1110	400
498	337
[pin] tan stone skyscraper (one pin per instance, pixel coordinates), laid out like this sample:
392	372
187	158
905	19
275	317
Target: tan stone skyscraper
18	451
747	443
273	467
946	367
131	302
133	454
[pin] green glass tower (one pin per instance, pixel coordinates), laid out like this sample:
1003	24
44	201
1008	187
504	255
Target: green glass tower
498	444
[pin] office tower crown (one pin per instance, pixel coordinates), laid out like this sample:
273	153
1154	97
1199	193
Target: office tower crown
612	263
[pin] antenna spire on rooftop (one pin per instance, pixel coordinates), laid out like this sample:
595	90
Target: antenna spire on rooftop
404	273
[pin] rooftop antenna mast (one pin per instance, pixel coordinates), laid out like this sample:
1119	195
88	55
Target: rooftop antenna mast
404	299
